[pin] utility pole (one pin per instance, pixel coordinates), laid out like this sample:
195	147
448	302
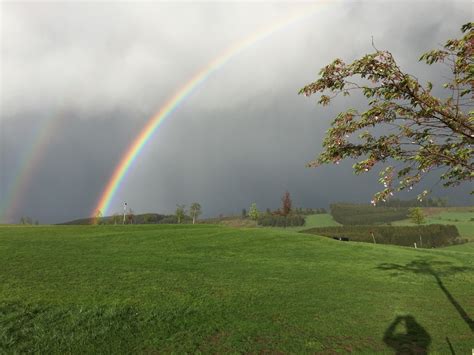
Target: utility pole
124	211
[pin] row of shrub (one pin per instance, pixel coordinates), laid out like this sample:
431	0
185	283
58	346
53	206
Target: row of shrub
292	220
427	202
154	218
429	236
146	218
354	214
309	211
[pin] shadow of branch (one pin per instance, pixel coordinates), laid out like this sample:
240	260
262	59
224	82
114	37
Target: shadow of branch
426	267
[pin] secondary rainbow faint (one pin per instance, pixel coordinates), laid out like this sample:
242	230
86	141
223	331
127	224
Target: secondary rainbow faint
28	163
182	93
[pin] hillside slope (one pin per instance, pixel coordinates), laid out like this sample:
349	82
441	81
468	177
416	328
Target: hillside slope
205	288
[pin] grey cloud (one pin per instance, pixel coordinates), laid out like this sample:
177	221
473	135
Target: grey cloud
244	135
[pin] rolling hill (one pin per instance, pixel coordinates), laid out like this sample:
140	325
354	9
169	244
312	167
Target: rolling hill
215	289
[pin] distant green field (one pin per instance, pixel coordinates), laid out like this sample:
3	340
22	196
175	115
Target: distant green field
315	220
462	220
214	289
320	220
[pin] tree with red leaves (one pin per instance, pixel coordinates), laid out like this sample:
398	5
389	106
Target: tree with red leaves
286	204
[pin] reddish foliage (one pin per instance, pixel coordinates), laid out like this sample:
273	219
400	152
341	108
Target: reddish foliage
286	204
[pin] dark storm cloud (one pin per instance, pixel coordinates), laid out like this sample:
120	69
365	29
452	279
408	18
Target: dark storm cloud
244	136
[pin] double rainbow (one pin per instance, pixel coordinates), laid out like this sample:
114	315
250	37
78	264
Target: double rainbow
180	95
29	162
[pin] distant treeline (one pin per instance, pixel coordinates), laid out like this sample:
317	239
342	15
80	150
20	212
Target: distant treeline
429	236
155	218
309	211
145	218
352	214
428	202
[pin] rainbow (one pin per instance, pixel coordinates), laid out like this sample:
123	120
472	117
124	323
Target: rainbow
29	162
181	94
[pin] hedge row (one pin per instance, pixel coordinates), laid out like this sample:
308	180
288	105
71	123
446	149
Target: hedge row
146	218
426	202
309	211
429	236
281	221
352	214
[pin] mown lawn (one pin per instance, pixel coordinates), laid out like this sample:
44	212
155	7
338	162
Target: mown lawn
204	288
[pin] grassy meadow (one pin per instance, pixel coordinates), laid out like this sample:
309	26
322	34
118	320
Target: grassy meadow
319	220
217	289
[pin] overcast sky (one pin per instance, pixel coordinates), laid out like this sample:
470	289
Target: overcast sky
88	76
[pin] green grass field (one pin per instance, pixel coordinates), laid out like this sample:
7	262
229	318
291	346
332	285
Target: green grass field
462	220
320	220
214	289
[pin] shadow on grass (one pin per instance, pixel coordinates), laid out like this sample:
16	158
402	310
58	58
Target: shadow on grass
413	340
428	268
451	349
